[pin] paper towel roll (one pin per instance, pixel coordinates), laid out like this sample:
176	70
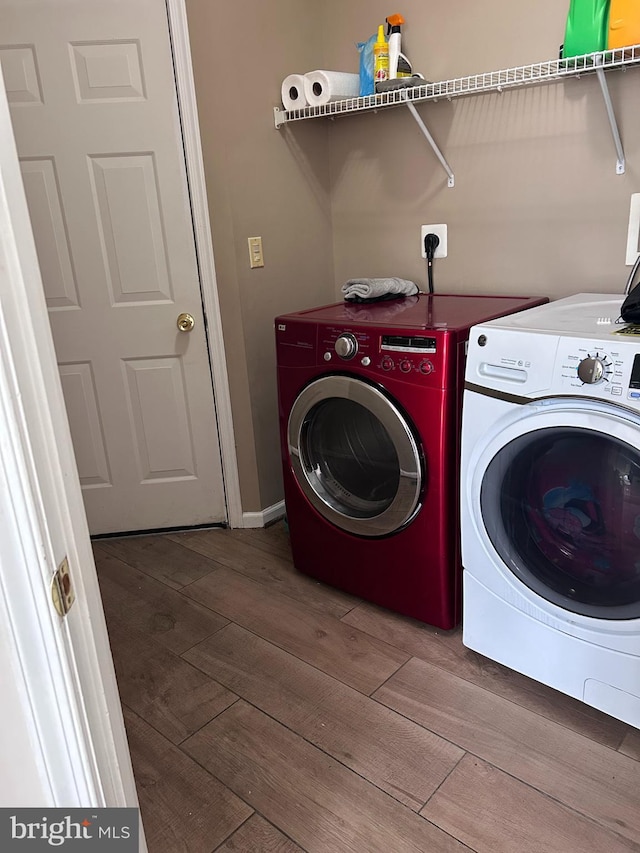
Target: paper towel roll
293	97
320	87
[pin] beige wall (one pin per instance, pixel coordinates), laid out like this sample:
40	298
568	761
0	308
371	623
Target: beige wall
537	206
261	182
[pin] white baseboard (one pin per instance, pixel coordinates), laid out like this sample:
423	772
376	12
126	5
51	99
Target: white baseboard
267	516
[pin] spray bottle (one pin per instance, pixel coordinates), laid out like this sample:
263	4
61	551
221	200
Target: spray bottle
399	65
380	57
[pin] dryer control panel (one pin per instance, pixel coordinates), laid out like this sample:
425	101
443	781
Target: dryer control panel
532	364
597	365
605	368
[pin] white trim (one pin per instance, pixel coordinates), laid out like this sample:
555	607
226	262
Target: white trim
261	519
178	29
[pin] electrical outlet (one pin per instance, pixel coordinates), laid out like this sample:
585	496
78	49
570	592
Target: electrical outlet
441	232
256	258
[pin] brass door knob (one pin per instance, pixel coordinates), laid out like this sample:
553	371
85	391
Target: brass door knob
185	322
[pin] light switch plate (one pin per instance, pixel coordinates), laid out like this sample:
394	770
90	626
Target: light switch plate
256	258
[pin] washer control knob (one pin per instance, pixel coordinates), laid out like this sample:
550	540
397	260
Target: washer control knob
327	356
346	346
426	367
591	370
366	361
405	365
387	363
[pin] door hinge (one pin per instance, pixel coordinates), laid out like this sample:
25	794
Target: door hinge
62	593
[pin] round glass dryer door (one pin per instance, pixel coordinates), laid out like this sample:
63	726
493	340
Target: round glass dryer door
355	456
561	506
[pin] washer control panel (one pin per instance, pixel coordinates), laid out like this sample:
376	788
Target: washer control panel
413	356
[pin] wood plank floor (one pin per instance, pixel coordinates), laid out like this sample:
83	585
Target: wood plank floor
268	712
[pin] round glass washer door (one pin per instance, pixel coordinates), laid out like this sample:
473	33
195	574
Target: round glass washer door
561	506
355	456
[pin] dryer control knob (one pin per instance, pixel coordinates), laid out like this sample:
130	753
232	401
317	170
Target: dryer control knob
346	346
426	367
387	363
591	370
405	365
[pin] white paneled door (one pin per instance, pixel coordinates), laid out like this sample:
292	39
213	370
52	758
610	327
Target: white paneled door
93	103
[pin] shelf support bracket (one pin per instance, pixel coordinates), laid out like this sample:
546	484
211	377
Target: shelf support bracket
620	164
432	143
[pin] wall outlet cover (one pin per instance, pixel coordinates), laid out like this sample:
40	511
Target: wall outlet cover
441	232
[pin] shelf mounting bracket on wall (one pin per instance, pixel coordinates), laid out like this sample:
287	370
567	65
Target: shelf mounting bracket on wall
620	164
432	143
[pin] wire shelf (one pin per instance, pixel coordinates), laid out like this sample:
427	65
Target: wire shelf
491	81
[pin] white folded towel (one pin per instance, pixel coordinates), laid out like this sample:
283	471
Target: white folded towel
375	288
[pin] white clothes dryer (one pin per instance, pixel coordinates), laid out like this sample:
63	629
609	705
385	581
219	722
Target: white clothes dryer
550	499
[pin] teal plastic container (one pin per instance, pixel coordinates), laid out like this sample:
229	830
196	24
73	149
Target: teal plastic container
587	28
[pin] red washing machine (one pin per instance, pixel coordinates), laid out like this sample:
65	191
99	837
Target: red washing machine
370	399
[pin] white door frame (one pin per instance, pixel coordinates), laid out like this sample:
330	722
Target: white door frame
183	69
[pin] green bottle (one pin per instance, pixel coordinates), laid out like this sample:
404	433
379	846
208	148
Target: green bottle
587	27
